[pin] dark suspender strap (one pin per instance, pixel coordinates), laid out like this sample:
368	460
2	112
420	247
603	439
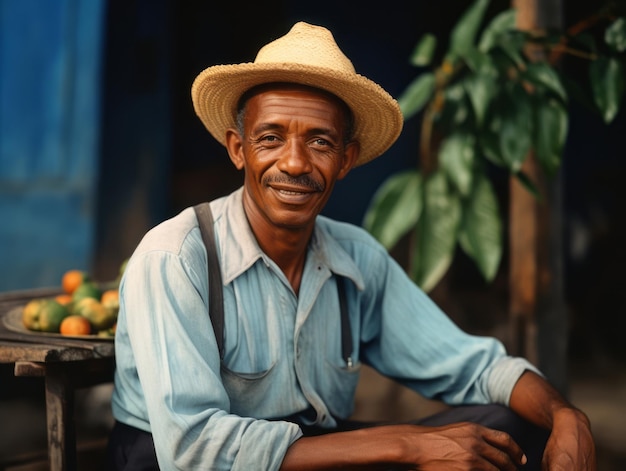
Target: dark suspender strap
216	294
346	331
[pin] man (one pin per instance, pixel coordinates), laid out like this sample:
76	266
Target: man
279	393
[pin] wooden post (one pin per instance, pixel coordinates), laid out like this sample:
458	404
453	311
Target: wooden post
60	419
538	319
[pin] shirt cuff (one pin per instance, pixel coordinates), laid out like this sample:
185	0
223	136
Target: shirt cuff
504	376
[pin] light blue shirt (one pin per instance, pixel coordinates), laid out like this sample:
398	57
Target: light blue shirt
282	351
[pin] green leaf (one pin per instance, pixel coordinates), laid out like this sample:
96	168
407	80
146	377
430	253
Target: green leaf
489	142
615	34
456	157
516	128
436	233
395	207
480	89
417	94
476	60
504	21
464	33
512	44
541	73
607	84
456	107
424	51
481	232
551	121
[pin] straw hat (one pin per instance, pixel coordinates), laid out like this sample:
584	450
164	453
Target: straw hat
306	55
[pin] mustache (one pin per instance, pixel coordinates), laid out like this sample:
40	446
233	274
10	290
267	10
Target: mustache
302	181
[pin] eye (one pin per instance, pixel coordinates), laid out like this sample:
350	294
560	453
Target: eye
321	142
268	140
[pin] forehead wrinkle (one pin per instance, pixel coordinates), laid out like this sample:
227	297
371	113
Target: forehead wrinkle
311	113
304	100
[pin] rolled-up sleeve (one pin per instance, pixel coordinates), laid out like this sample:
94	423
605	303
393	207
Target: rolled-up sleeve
168	380
503	376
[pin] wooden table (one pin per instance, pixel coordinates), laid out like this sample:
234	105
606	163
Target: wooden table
66	364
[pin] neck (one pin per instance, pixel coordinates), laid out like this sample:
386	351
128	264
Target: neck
288	250
285	246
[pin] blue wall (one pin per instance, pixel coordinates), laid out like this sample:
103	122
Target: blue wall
50	69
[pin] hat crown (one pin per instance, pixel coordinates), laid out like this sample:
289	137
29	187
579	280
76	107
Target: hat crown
306	44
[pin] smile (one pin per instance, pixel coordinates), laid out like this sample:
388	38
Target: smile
293	195
292	192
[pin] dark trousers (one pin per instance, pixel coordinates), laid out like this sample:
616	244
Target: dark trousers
131	449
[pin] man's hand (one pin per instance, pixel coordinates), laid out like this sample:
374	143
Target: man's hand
570	445
455	447
465	446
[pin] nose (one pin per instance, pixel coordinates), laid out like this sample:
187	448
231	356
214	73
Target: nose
294	159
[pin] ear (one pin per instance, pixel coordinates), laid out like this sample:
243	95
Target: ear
234	146
350	156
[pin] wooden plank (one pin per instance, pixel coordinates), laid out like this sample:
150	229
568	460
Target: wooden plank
100	347
81	374
11	352
29	368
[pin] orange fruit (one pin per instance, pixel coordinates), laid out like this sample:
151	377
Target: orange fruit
75	325
63	299
110	298
72	279
100	317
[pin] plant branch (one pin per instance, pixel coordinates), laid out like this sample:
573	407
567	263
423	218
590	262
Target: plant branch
563	49
577	28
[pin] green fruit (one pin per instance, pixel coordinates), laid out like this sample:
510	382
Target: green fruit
51	315
87	289
99	316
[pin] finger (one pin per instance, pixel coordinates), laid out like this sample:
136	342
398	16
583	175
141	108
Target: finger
500	459
503	442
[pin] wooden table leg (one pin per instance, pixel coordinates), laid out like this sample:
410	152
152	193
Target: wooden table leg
60	418
61	380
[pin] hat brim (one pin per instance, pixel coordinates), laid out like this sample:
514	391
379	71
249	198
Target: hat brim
377	117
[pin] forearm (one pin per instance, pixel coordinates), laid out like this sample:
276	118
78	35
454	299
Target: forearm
539	402
370	448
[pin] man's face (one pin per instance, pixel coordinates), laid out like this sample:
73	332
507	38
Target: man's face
293	151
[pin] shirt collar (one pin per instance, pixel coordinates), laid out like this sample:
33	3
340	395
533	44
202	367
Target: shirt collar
240	249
